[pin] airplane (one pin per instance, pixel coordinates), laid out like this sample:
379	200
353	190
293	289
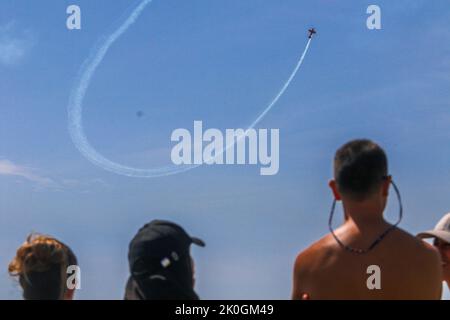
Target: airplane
140	114
312	32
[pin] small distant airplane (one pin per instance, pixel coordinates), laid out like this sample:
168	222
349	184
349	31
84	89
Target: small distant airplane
312	32
140	114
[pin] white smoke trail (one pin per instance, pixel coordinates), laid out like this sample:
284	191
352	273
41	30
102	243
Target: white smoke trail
268	108
78	93
282	91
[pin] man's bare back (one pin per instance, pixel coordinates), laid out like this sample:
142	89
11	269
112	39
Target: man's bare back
409	268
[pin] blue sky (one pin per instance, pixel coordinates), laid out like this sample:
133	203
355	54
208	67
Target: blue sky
220	62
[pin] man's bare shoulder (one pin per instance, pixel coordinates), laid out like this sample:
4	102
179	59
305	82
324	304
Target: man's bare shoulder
420	262
309	265
413	245
404	259
315	255
326	250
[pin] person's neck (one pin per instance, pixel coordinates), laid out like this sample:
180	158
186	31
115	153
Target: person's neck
365	215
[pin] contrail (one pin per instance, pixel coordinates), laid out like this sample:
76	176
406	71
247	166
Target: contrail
78	93
270	106
284	88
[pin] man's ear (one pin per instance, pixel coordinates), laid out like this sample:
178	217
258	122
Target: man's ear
385	186
333	185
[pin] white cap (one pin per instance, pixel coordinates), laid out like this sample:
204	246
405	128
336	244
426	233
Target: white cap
441	231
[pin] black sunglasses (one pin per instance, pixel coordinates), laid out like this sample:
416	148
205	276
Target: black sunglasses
440	243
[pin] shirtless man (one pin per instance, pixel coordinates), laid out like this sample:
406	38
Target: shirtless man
336	267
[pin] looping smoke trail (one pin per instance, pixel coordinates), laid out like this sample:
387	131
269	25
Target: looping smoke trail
78	93
282	91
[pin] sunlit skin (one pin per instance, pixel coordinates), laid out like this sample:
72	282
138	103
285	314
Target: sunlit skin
444	250
69	294
326	271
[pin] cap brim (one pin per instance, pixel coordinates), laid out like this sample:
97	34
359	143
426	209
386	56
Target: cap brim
441	235
198	241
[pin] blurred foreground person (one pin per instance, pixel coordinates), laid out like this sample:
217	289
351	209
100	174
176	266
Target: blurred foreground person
366	257
160	263
41	266
441	236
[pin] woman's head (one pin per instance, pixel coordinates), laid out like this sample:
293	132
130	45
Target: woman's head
41	265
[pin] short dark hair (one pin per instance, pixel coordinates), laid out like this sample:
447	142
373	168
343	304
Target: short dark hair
359	168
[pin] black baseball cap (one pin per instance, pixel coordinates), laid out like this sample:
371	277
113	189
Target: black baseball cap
157	245
160	263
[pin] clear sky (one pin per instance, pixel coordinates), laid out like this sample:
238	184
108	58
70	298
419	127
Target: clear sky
220	62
